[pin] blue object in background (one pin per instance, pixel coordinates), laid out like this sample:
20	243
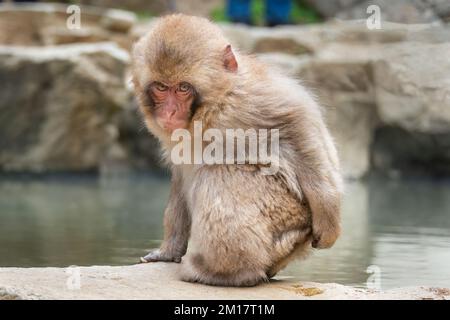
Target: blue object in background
277	11
239	11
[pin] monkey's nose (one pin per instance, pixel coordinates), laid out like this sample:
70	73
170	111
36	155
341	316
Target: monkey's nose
170	112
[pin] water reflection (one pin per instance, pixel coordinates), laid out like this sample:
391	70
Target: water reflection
411	231
403	227
80	221
348	260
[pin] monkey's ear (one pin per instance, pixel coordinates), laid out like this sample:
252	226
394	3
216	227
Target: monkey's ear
229	60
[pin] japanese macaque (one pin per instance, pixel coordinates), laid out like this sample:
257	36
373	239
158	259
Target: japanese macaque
242	225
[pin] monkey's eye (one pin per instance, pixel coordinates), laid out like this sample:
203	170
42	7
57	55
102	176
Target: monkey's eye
184	87
160	86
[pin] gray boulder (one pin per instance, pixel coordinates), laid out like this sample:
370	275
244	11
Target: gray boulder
46	24
344	87
413	86
57	106
413	101
403	11
328	8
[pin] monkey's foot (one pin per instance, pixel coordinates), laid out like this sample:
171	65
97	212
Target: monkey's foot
157	255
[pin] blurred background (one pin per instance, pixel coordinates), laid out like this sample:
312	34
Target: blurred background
81	182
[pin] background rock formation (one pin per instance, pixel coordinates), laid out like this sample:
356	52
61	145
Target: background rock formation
66	103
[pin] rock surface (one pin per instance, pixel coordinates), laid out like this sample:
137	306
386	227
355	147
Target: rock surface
413	89
155	6
413	106
345	89
57	106
159	281
46	24
359	76
158	7
384	92
405	11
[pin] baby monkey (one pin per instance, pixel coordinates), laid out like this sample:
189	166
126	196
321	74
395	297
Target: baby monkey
242	225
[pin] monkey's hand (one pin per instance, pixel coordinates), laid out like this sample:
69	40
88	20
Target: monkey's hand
158	255
326	230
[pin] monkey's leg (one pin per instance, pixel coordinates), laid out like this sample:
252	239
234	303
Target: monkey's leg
239	238
176	227
293	235
292	245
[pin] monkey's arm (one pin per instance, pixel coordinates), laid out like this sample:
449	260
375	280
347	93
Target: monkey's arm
176	226
319	178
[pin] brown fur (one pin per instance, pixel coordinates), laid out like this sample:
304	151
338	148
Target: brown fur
242	226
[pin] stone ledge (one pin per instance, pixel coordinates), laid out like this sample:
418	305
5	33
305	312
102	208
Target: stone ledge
159	281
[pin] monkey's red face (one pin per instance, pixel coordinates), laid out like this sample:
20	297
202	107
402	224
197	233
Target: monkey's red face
172	104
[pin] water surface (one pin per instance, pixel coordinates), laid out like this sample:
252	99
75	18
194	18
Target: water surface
400	227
